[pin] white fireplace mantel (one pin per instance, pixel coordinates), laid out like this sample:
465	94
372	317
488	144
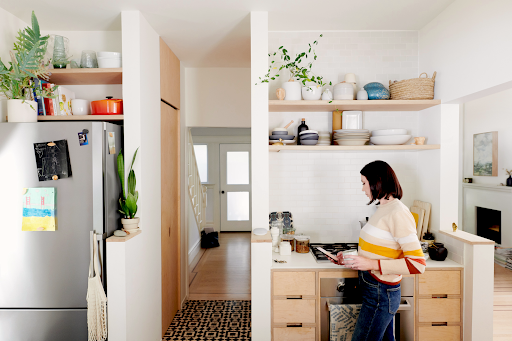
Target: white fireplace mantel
488	187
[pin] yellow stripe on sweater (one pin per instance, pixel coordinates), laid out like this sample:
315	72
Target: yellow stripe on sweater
379	250
416	253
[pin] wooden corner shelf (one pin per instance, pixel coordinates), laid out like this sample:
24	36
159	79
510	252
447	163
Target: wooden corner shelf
82	118
86	76
371	148
368	105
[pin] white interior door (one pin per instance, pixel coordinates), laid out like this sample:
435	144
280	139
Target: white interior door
235	187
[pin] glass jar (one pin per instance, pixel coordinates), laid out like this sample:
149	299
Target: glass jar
302	244
288	230
288	238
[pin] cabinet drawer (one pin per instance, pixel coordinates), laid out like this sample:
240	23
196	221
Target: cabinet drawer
294	283
439	309
294	334
294	311
439	282
445	333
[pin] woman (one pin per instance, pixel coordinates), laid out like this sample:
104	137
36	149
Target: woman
388	249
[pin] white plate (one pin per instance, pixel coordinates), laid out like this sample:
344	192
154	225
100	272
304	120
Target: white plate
351	137
284	141
260	231
352	119
308	132
390	140
352	131
387	132
351	142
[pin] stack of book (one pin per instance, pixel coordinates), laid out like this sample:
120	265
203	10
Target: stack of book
58	106
503	256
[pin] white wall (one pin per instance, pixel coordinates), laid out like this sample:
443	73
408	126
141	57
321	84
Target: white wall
466	45
490	113
142	318
193	233
218	97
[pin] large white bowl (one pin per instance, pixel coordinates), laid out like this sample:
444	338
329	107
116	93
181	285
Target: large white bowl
105	54
311	93
357	142
393	139
107	63
387	132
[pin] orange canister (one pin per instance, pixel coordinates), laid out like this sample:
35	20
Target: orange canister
109	106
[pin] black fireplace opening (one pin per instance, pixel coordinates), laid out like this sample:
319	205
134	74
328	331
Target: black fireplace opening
488	224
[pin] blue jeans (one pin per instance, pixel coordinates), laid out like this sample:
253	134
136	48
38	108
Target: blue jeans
380	304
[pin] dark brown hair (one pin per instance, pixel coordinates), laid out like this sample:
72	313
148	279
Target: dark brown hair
382	180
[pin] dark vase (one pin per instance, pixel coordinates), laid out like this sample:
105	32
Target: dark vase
509	181
437	251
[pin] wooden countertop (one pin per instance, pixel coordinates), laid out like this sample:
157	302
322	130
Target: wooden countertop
261	239
114	239
468	238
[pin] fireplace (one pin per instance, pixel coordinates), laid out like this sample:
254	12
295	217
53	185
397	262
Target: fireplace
488	223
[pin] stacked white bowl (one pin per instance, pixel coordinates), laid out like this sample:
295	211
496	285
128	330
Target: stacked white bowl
109	60
390	136
324	138
308	137
351	137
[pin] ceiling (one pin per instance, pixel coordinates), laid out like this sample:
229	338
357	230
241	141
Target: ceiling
216	33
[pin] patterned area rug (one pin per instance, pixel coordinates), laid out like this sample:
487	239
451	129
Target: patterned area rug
211	320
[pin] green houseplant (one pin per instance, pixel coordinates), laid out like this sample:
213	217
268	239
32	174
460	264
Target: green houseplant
27	64
129	196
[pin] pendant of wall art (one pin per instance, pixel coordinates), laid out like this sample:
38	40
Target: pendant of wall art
39	209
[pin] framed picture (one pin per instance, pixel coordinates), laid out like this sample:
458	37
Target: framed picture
485	154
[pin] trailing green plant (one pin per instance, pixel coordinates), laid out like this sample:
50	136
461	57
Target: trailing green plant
128	200
16	81
298	71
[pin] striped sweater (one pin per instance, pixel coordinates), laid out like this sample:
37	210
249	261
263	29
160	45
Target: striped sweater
390	236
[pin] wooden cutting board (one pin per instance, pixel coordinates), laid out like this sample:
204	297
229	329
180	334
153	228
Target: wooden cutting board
419	215
426	221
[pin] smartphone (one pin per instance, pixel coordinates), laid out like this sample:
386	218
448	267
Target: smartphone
328	254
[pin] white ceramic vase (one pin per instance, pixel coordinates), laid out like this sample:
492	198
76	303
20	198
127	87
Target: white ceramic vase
21	111
362	95
311	92
343	91
327	95
292	91
130	225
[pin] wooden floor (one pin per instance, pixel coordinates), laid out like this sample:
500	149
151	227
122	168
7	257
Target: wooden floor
224	273
502	304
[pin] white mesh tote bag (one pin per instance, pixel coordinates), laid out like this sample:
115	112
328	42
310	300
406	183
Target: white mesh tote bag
96	299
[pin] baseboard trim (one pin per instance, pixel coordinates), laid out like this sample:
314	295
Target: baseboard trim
194	252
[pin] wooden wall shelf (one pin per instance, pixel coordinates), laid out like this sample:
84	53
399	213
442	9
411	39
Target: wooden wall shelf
373	105
372	148
86	76
82	118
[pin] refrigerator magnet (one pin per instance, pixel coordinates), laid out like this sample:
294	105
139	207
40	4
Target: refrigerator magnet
82	138
111	143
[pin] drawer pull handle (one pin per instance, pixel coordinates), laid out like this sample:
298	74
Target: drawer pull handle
440	296
299	297
439	324
293	325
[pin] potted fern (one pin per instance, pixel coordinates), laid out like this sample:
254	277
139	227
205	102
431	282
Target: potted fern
128	200
27	64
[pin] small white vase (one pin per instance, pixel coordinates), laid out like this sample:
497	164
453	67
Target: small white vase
311	92
362	94
21	111
130	225
292	91
327	95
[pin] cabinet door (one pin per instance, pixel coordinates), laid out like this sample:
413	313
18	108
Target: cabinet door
439	309
436	333
434	282
294	311
294	283
294	334
169	75
170	196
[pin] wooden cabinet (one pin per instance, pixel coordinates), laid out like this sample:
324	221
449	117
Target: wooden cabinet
294	311
439	305
169	76
294	334
294	283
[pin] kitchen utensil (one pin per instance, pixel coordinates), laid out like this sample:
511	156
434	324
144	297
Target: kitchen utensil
284	137
358	142
352	120
107	106
343	91
426	220
259	231
309	142
89	59
311	93
292	91
437	252
376	90
388	132
418	214
362	95
80	107
419	140
390	140
280	93
289	124
328	254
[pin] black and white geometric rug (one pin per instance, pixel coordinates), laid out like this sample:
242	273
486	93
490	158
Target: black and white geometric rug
211	320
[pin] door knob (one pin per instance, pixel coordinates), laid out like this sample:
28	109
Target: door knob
222	192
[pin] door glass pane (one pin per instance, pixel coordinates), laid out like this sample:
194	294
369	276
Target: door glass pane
238	206
237	168
201	151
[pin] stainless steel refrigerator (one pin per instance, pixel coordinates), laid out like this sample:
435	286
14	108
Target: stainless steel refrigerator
43	274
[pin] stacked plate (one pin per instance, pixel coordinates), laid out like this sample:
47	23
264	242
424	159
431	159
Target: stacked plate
390	136
308	137
281	133
352	137
324	138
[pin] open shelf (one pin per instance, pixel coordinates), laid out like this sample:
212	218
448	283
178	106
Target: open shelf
82	118
369	105
86	76
371	148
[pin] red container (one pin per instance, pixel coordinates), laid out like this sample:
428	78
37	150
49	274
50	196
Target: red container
107	106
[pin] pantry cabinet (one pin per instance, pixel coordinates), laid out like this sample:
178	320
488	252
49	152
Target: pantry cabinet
169	76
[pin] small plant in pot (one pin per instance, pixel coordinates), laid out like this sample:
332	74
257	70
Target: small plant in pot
302	80
17	82
128	200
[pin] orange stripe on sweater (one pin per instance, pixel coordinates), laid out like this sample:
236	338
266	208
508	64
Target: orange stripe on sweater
412	269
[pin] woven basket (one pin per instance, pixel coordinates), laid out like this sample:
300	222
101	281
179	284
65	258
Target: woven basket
416	88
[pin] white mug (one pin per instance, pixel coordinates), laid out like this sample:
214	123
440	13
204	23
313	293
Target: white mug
80	107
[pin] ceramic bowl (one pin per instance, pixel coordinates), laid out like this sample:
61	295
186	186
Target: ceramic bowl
343	91
390	140
387	132
105	54
80	107
308	132
311	93
284	137
309	142
309	138
358	142
280	132
107	63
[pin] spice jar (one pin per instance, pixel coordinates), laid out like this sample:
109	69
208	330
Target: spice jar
288	238
302	244
288	230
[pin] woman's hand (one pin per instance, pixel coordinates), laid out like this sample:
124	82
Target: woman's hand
361	263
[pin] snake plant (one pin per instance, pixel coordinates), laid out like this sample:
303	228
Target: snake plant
128	200
16	81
